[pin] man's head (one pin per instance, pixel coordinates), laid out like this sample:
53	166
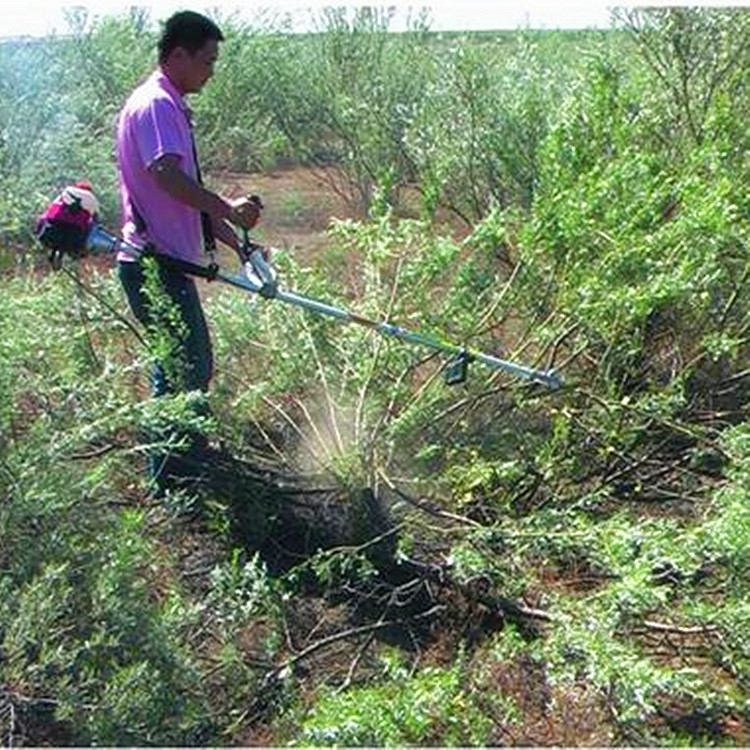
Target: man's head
188	49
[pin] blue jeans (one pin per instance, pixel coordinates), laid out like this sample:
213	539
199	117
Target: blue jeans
170	309
190	364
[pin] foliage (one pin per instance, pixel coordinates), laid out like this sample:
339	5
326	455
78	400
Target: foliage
404	710
351	107
696	59
603	231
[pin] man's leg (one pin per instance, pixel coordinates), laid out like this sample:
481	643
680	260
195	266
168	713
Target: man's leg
133	281
171	309
196	342
197	357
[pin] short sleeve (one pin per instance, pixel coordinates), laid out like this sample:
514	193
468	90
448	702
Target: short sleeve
158	130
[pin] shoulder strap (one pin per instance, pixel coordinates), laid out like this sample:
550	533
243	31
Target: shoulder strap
209	241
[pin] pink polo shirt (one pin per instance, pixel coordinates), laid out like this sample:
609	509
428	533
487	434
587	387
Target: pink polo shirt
156	121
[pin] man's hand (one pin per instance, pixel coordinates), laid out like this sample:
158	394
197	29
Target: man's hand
245	212
242	212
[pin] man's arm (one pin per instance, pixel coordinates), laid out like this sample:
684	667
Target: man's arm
224	233
170	178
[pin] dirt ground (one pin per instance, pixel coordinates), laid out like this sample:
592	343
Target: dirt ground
299	205
301	202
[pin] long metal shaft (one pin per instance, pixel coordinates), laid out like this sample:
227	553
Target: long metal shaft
257	280
547	377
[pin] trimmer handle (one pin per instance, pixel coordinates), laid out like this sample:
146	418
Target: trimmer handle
257	268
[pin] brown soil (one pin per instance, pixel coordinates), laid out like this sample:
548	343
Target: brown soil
299	205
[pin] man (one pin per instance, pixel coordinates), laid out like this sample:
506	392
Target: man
164	203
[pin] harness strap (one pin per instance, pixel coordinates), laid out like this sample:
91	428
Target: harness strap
170	263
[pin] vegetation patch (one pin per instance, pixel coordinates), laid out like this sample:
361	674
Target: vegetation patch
372	556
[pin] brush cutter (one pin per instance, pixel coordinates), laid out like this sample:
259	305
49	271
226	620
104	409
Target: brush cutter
70	226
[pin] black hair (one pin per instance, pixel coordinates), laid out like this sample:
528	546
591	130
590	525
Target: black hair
188	30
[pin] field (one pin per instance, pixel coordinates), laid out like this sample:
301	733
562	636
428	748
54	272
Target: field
299	206
369	556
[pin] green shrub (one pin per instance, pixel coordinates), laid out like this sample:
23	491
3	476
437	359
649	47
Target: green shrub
434	706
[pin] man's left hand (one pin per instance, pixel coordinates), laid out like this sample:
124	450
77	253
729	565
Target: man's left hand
245	212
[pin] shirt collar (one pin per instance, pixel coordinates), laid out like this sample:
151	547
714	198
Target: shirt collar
163	81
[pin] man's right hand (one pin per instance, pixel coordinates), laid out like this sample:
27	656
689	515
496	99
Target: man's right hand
245	212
